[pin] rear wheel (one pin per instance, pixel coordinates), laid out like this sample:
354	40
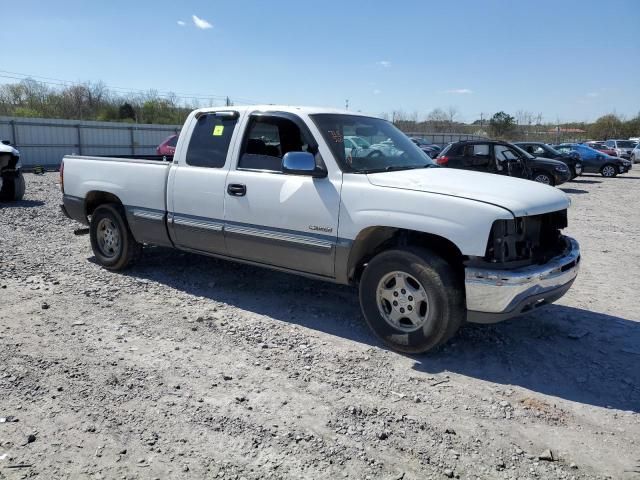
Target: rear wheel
411	299
543	177
13	187
111	240
609	171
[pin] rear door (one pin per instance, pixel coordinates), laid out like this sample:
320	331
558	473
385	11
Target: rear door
197	183
288	221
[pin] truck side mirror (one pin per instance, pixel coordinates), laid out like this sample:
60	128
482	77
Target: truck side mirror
302	163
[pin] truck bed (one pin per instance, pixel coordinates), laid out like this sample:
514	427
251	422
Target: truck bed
139	182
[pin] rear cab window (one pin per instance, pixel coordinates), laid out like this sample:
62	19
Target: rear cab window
210	139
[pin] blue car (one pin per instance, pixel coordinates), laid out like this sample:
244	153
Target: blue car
594	161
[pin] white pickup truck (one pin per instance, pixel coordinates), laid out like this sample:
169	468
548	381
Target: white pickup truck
429	247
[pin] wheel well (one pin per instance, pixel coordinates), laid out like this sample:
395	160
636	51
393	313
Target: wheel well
374	240
96	198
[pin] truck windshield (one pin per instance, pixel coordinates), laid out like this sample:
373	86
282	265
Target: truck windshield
380	146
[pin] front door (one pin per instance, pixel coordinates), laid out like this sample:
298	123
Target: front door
277	219
197	183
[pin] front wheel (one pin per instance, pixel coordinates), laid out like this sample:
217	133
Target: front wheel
111	240
543	177
411	299
609	171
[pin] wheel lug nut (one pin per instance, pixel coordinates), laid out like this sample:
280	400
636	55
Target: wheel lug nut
395	304
410	298
409	307
403	291
395	294
402	310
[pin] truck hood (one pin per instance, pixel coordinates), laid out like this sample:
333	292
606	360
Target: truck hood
521	197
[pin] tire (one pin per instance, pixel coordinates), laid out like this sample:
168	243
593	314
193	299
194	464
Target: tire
609	170
435	319
13	188
111	240
543	177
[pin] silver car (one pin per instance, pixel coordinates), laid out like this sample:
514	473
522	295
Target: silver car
623	148
635	154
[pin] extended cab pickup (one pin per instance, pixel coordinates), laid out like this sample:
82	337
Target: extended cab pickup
428	247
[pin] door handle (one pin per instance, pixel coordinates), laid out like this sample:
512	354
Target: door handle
237	189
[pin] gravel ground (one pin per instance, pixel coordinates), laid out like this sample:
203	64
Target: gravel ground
190	367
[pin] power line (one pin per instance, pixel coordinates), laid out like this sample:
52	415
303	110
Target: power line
122	90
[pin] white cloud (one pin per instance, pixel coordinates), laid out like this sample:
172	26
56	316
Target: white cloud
377	92
181	23
459	91
201	23
384	63
593	94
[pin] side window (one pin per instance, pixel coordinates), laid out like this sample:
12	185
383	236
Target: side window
210	140
267	140
610	143
476	155
538	151
173	142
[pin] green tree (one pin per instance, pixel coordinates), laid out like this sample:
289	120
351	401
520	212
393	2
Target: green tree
502	125
126	111
606	127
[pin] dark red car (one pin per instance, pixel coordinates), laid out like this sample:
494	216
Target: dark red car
601	147
168	146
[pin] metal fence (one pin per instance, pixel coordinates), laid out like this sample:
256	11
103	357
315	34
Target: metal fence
444	138
45	141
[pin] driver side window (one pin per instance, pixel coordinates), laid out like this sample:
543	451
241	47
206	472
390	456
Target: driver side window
267	140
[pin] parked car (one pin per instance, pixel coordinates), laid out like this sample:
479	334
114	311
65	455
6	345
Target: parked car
602	147
430	149
357	147
168	146
505	159
635	154
543	150
594	161
423	244
12	184
622	147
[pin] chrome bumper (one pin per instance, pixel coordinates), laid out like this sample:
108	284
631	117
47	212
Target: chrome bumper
496	295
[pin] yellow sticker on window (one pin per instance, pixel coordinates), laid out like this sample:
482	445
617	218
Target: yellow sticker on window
218	130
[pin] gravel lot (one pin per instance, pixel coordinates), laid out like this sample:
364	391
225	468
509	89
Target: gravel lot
190	367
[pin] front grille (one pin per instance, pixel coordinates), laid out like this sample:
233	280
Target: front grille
533	239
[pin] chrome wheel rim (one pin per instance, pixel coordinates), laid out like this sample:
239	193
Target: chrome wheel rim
402	301
108	236
543	179
608	171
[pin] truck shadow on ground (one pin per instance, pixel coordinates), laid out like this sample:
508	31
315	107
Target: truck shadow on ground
561	351
566	352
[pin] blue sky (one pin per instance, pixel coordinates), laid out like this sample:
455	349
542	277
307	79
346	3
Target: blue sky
572	60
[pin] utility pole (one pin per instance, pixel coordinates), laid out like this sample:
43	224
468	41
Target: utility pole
228	102
346	104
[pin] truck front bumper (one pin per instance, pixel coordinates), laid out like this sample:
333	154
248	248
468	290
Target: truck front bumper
497	295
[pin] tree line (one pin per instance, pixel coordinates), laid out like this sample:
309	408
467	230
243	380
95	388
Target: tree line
522	125
91	101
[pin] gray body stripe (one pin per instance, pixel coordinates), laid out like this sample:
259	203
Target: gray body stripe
147	213
278	236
